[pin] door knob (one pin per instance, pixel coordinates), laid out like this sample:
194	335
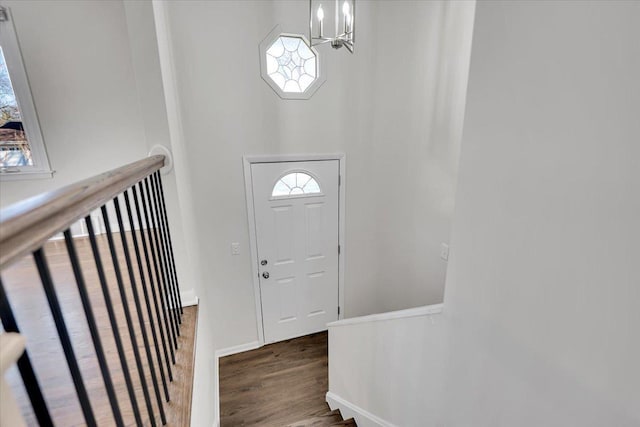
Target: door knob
263	262
265	274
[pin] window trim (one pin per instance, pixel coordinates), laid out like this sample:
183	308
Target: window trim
20	82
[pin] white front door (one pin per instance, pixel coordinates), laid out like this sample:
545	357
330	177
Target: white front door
296	215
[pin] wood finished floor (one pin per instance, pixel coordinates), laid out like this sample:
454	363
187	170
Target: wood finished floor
275	385
34	319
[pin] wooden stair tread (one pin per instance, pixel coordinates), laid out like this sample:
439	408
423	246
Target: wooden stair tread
333	418
319	420
349	422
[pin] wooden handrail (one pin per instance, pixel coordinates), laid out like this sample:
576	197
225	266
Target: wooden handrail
27	225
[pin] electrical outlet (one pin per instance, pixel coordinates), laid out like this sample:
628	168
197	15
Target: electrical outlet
444	251
235	248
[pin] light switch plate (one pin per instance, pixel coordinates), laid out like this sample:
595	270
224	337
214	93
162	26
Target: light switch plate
235	248
444	251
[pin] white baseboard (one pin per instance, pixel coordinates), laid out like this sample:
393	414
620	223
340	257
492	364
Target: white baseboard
348	410
237	349
188	297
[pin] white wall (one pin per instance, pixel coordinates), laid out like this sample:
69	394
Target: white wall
543	285
84	91
540	322
417	95
78	62
387	107
97	88
391	368
154	115
204	402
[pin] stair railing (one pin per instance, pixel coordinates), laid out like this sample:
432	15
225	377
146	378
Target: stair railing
136	193
11	347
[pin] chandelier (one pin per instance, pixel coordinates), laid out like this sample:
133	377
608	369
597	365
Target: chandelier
344	28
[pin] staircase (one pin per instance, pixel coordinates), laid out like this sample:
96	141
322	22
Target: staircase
100	307
279	384
331	418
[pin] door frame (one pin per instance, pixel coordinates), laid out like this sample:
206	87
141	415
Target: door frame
248	160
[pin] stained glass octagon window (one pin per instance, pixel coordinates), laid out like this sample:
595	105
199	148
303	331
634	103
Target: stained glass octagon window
290	65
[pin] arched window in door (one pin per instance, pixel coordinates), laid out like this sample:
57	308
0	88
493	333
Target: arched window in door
295	184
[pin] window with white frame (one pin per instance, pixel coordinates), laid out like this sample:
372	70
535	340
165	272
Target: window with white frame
22	151
290	65
296	184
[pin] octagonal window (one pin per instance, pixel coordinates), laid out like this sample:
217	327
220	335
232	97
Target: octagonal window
290	65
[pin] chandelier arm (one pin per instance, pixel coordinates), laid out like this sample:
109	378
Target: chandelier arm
349	46
323	40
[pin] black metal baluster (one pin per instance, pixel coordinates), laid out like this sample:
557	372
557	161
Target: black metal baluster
113	320
159	272
145	292
153	289
136	300
165	249
24	365
93	328
167	236
125	307
153	202
63	333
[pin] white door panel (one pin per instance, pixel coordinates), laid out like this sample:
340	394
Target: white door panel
297	236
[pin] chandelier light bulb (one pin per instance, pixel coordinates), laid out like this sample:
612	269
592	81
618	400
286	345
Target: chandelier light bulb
320	21
345	8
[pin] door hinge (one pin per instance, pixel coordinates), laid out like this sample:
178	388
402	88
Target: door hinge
338	310
339	249
339	180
